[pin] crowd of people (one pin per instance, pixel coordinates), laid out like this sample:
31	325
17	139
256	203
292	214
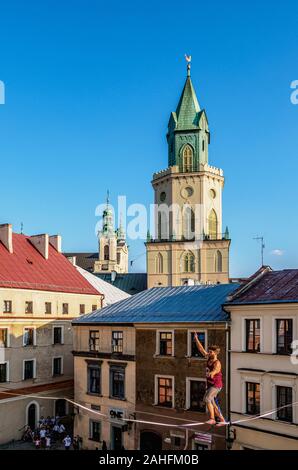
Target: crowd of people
50	431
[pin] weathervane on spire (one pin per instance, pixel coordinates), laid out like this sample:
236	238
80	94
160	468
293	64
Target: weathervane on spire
108	197
188	60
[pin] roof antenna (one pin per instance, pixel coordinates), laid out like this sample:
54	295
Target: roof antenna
22	227
261	239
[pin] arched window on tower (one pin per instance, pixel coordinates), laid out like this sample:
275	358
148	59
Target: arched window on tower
218	262
212	225
159	263
106	252
188	223
187	159
162	225
188	262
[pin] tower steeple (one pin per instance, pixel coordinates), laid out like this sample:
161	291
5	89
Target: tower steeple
188	125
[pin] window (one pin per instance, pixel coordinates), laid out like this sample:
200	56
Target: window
94	379
94	340
218	262
94	307
165	391
94	428
117	381
3	337
48	308
159	263
57	335
252	398
197	391
28	337
252	336
212	225
203	145
117	341
189	262
106	253
3	372
165	343
187	159
65	309
82	309
29	370
57	366
7	306
28	307
188	222
284	397
284	336
118	258
194	349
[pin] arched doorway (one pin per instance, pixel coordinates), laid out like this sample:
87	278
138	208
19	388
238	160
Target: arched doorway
32	415
150	441
60	408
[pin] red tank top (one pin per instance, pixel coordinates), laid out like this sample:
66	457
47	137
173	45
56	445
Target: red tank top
215	381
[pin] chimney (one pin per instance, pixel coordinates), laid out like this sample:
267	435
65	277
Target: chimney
72	260
41	243
56	242
6	236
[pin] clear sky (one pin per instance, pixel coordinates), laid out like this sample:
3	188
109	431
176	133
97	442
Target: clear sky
89	90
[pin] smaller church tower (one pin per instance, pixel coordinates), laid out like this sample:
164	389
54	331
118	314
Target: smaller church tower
112	247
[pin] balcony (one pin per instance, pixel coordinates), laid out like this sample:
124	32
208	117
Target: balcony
213	237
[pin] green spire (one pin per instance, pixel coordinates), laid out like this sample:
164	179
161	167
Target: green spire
108	222
188	107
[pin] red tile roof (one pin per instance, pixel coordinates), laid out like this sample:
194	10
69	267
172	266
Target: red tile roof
26	268
272	286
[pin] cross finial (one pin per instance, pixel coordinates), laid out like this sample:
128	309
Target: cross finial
108	197
188	60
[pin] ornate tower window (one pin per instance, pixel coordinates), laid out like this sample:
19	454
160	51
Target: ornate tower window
159	263
187	159
212	225
106	253
188	223
188	262
218	262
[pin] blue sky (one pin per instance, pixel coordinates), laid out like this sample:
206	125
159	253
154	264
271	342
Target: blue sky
89	89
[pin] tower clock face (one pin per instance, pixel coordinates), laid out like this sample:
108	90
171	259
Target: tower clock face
187	192
163	196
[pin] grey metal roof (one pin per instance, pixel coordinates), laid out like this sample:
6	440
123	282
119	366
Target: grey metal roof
201	303
132	283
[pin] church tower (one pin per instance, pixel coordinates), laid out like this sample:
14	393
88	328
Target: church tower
189	246
112	247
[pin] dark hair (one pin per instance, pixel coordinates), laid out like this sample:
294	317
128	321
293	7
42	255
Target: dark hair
214	348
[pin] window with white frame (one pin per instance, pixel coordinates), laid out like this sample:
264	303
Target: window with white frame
94	430
193	350
29	369
252	335
4	377
7	306
253	398
195	391
284	336
165	343
57	366
164	391
284	403
57	335
29	337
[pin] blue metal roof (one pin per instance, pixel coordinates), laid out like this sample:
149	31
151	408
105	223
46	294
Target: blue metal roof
201	303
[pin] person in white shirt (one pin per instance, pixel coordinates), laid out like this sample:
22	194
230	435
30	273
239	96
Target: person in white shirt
48	442
67	442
